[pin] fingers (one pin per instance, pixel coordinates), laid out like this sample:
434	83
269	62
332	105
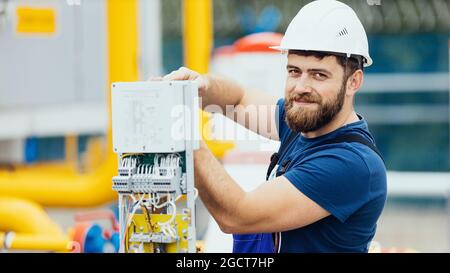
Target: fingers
174	75
181	74
155	78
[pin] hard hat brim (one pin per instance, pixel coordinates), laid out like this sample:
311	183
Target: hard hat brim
368	60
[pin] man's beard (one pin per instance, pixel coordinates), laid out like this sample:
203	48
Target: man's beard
303	120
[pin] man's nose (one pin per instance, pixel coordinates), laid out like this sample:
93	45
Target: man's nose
303	84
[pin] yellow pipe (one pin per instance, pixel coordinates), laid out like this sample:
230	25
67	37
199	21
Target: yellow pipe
62	189
26	217
197	34
51	168
123	46
197	42
38	242
53	186
31	227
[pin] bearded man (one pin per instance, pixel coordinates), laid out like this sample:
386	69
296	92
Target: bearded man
327	184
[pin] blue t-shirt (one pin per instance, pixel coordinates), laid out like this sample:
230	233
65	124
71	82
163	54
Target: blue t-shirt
346	179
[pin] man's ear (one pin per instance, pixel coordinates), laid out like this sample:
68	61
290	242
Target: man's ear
354	82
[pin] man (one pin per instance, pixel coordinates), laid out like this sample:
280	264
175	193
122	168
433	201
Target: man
330	185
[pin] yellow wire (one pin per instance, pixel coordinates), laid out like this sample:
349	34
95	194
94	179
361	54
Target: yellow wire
129	154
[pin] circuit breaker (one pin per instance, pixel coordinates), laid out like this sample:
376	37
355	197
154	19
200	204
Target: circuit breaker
155	131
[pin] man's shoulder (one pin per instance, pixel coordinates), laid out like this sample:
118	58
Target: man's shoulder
355	142
347	157
349	154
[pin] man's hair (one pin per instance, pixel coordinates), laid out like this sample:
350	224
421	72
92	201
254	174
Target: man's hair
349	64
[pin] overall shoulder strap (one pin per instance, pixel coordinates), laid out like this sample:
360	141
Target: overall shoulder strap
288	141
351	138
276	156
340	139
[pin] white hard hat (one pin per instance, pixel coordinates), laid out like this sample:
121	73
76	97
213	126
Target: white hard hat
329	26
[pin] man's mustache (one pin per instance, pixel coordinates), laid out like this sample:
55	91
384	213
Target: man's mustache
306	97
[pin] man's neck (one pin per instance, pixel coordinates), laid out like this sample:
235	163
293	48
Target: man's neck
341	119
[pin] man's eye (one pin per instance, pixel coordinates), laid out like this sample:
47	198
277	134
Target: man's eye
320	76
292	72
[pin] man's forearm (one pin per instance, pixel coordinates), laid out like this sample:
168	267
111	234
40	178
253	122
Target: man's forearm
221	92
250	108
218	191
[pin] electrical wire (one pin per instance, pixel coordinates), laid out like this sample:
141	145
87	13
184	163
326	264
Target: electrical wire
163	167
195	193
130	218
166	227
130	154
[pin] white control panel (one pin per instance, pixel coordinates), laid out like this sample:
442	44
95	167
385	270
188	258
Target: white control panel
150	117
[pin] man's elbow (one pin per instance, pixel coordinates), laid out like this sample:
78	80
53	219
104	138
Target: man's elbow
234	226
236	222
226	229
228	226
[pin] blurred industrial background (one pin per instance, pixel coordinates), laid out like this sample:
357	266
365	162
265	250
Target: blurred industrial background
58	57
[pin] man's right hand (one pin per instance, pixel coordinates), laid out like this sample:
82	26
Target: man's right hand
186	74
